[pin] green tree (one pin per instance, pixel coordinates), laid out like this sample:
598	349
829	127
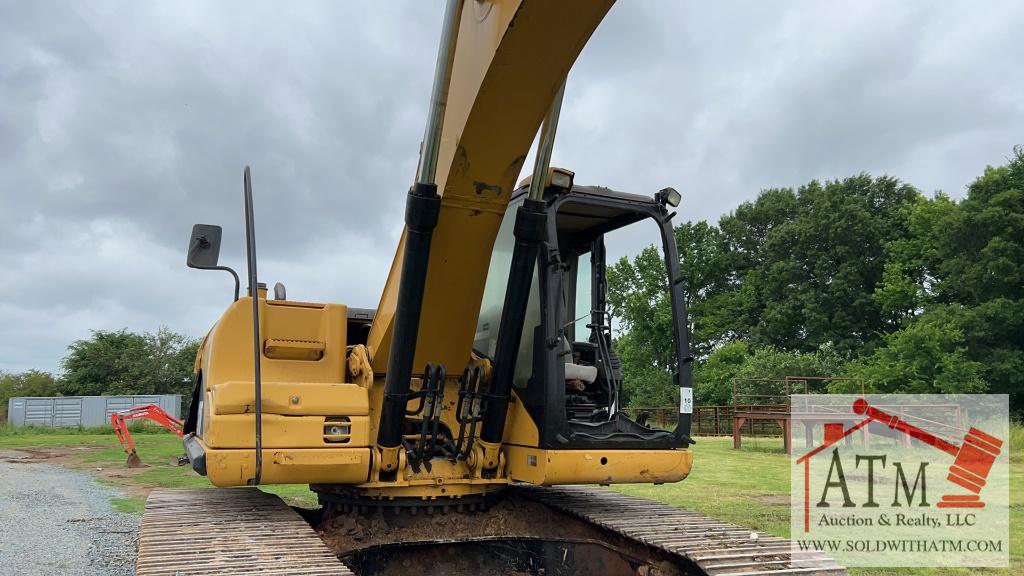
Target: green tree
713	376
759	371
819	270
735	314
639	299
775	364
979	263
122	362
747	229
644	383
918	293
928	356
968	257
111	362
909	281
30	383
171	361
705	274
979	253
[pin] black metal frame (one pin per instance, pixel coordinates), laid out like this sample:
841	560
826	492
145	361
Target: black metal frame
431	402
531	221
250	251
470	410
421	213
545	397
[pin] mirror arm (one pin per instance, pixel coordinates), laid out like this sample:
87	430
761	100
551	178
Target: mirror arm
226	269
233	275
198	244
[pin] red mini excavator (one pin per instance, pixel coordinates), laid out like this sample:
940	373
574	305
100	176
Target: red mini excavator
119	420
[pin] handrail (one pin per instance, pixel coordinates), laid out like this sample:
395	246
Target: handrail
250	250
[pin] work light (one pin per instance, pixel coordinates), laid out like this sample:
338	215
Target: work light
561	178
669	196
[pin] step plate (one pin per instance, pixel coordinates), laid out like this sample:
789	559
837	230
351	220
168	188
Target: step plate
717	548
233	531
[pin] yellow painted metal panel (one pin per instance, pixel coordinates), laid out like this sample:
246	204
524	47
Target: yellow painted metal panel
550	467
239	431
227	350
519	426
291	398
290	466
278	349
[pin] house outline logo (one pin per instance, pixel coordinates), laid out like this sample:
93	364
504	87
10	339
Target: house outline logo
972	459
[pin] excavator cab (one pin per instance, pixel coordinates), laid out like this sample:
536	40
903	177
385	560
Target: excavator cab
568	376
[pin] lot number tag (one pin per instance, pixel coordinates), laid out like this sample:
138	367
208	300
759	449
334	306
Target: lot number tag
686	400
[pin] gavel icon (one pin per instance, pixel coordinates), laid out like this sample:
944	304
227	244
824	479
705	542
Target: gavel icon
972	460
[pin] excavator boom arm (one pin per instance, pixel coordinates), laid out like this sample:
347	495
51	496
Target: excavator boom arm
510	60
119	420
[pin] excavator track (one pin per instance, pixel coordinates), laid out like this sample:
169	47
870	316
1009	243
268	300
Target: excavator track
715	547
235	531
245	531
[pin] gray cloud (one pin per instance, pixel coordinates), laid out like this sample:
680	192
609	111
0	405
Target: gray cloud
123	123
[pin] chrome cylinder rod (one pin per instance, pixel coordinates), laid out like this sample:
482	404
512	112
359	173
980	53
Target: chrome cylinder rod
530	228
545	146
439	93
421	214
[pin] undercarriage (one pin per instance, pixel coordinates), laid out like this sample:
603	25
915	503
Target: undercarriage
524	530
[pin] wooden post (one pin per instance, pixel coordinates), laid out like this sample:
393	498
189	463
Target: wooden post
787	440
737	431
903	416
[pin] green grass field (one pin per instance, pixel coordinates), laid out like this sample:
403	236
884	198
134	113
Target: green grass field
751	488
748	487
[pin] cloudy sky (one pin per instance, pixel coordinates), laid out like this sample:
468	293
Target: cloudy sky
123	123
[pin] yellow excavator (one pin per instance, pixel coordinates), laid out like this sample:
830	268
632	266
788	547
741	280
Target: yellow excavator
440	430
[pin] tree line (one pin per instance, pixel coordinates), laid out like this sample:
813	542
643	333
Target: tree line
860	277
112	363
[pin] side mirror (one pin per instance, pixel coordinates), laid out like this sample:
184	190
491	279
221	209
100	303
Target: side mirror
204	250
204	246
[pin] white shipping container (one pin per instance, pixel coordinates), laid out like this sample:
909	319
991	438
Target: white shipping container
73	411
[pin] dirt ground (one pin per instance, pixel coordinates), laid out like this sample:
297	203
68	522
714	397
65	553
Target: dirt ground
514	536
70	457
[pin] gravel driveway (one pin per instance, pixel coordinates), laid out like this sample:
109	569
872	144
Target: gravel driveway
59	521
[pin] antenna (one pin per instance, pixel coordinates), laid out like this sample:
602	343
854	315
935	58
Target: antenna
250	250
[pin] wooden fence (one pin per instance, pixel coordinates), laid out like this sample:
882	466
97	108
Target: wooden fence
713	420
